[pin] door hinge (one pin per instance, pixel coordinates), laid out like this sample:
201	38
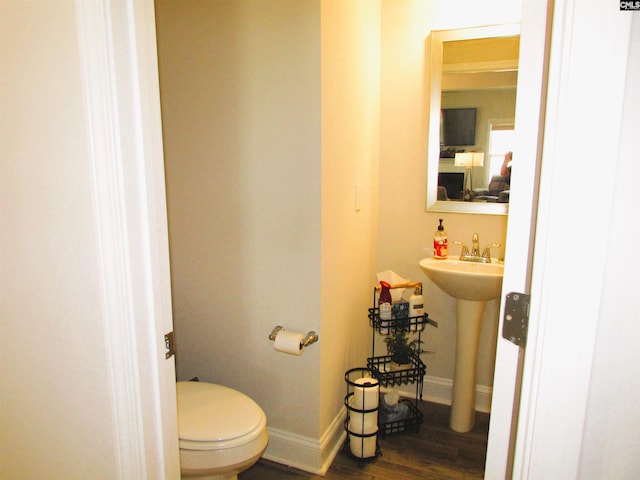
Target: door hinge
516	318
169	345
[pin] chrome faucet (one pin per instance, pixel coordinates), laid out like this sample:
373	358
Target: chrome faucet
474	245
474	255
464	252
486	253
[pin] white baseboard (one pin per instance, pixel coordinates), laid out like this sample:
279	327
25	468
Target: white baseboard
439	390
315	456
305	453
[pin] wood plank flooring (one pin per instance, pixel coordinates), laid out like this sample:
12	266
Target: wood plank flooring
435	452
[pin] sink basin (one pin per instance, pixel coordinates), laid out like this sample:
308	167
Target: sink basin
465	280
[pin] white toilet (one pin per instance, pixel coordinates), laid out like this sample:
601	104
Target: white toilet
222	431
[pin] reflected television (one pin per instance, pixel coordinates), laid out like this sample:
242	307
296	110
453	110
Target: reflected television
458	127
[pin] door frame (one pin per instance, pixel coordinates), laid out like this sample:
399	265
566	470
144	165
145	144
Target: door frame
118	57
530	111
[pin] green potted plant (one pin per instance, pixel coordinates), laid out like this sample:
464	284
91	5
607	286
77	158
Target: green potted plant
401	349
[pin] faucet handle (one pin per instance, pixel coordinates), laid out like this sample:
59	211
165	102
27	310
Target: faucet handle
465	249
486	253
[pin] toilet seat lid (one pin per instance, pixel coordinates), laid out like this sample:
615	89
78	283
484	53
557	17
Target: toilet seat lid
211	413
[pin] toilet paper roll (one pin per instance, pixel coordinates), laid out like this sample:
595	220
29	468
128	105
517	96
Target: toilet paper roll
363	422
363	447
289	342
366	397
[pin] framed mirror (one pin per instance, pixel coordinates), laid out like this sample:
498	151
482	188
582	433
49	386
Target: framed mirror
474	74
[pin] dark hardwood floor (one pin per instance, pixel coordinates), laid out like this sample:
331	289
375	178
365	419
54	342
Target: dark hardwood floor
435	452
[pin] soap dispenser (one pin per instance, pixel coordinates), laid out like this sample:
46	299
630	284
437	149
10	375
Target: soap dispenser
440	242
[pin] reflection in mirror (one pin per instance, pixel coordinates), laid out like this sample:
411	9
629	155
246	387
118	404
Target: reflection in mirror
474	75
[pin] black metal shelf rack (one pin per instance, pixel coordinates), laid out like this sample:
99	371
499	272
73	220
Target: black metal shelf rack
381	368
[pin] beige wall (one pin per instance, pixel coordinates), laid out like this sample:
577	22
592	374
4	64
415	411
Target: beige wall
265	140
240	90
350	149
405	232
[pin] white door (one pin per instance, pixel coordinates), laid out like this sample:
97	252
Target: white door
118	58
579	258
583	121
521	227
84	281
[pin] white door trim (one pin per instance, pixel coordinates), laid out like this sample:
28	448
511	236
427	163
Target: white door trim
530	102
120	81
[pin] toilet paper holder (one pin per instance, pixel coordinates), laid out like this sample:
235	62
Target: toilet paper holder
309	338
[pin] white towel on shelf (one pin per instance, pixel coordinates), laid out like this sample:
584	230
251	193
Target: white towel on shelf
393	278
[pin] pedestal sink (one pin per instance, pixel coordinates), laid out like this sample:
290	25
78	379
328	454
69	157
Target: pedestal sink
472	285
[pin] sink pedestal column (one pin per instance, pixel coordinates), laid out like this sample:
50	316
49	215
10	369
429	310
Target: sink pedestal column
468	325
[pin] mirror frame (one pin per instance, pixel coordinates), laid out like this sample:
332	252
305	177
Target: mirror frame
438	37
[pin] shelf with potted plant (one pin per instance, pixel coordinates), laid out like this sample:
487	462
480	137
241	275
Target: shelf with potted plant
402	364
